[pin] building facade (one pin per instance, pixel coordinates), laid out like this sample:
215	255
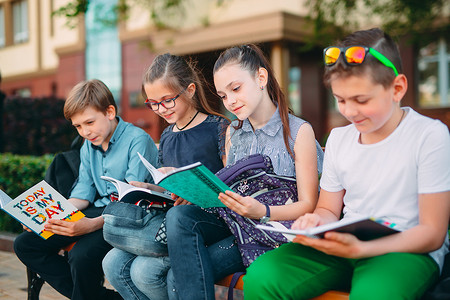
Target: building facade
41	56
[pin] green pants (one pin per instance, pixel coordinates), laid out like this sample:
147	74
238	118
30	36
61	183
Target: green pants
294	271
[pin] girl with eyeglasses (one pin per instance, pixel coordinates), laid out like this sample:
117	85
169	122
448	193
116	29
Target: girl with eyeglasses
174	90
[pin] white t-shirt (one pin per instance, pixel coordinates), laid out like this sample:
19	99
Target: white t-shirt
383	180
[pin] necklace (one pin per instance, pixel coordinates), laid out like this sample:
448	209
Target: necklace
187	123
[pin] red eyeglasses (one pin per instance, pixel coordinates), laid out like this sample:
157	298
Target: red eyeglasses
167	103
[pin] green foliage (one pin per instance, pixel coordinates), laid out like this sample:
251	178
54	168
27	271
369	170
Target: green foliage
35	126
18	173
333	19
72	11
160	11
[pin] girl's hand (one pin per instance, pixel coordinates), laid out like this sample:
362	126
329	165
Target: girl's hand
335	243
147	185
306	221
166	170
245	206
179	200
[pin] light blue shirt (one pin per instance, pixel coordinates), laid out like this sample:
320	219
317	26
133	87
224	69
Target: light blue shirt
120	161
268	140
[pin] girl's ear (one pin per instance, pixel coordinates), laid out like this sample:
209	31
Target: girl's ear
191	90
111	112
263	77
400	86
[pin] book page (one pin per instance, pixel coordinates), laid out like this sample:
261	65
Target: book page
131	194
156	175
4	199
364	228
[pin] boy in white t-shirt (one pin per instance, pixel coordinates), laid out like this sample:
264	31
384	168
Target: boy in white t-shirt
390	163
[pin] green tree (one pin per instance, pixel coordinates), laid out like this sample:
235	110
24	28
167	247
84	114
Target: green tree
330	19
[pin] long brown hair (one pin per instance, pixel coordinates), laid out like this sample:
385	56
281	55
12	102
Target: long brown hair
251	58
177	74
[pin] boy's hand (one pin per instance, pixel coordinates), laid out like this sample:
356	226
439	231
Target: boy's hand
307	221
245	206
335	243
26	228
80	227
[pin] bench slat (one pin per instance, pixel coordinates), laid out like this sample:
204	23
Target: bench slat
330	295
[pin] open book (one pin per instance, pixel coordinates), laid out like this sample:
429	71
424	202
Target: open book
363	228
194	183
40	203
132	194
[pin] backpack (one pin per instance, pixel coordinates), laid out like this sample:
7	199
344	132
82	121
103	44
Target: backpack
254	176
63	170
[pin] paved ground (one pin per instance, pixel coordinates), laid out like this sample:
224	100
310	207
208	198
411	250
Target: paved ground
13	279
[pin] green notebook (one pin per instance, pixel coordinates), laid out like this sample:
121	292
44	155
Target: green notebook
194	183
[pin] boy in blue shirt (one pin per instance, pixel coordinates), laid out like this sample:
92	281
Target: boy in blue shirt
110	149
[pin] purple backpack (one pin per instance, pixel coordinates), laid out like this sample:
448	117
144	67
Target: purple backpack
254	176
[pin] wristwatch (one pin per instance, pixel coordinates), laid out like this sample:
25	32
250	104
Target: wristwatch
266	218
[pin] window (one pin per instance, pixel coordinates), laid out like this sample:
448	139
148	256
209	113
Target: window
294	90
434	77
20	21
103	48
2	27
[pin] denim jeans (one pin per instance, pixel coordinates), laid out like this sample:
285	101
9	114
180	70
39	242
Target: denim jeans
138	277
130	228
202	250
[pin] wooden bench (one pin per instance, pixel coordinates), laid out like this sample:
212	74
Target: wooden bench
331	295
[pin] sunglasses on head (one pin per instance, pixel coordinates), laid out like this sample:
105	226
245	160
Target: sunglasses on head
355	55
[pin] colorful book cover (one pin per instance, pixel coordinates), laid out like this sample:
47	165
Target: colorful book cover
40	203
194	183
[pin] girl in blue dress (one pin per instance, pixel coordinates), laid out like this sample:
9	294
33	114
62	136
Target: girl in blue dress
174	90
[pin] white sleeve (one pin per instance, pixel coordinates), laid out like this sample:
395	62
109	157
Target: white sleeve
434	160
330	179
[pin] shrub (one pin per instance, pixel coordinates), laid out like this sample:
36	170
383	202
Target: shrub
17	174
35	126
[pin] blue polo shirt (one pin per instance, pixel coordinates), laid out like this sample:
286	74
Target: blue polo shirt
120	161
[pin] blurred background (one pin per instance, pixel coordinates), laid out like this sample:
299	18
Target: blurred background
47	46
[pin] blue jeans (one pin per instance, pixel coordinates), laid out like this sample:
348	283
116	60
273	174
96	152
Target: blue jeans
139	277
202	250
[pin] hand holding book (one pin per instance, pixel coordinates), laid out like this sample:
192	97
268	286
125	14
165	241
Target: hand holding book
194	183
364	228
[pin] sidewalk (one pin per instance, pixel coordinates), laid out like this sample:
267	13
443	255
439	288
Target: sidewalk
13	280
13	277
